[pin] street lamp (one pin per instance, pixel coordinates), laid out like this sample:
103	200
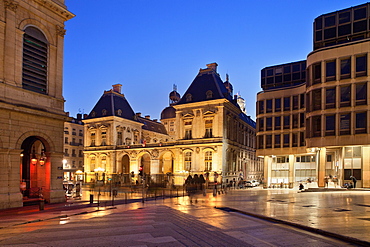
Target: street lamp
33	157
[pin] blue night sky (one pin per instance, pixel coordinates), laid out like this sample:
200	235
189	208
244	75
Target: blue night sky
147	46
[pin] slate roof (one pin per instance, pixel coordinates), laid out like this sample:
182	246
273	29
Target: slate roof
152	125
206	80
112	104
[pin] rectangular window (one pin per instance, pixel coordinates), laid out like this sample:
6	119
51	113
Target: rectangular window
92	138
330	125
208	128
268	141
361	93
187	163
269	105
345	68
301	119
286	103
286	140
316	126
261	108
295	120
316	99
188	134
261	125
208	161
316	73
345	124
301	102
330	98
361	122
277	105
269	123
345	96
277	141
301	139
361	66
295	102
330	71
277	123
295	139
260	142
287	122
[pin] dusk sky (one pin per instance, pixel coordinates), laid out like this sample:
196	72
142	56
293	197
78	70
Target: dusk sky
147	46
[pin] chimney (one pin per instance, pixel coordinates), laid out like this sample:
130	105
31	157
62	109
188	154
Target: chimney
79	116
212	66
147	117
155	120
86	115
117	88
138	114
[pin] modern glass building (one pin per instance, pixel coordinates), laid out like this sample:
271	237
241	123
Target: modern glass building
318	129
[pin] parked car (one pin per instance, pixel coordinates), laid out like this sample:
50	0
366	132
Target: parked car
248	184
255	183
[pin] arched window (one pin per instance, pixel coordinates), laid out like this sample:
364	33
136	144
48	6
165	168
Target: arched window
209	94
35	55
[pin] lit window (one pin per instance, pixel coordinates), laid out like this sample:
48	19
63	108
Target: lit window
208	161
187	161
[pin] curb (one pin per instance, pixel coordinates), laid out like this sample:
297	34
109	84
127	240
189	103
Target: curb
299	226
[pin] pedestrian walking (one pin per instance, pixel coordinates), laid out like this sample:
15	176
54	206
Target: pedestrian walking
326	180
354	180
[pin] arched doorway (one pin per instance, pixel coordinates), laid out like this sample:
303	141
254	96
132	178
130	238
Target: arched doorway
145	163
34	169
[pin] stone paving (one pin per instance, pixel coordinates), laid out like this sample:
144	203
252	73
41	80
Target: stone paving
197	222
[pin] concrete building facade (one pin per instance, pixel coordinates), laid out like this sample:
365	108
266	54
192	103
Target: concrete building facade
31	102
328	110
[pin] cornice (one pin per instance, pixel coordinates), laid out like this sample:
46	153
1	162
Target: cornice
56	8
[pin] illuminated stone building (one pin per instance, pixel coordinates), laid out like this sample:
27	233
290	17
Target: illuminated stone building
73	160
31	103
203	132
318	127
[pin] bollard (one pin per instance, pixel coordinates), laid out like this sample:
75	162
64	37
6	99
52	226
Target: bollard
41	204
91	198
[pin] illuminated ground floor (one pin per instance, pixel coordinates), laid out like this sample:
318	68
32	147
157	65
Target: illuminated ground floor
319	167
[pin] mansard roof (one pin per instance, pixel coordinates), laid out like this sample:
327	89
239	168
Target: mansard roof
112	103
152	125
207	85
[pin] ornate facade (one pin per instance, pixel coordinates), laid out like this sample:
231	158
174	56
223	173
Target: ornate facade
31	102
204	132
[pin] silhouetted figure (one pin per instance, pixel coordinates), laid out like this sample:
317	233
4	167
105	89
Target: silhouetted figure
301	187
354	180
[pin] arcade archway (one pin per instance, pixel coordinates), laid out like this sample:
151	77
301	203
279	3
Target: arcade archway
34	169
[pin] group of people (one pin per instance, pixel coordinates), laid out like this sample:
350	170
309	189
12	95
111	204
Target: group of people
194	184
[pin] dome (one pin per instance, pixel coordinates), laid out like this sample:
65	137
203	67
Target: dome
168	112
174	97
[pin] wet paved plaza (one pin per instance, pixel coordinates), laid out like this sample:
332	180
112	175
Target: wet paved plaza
198	222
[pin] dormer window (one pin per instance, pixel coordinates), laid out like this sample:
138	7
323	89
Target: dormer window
209	94
119	112
189	97
104	112
93	114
